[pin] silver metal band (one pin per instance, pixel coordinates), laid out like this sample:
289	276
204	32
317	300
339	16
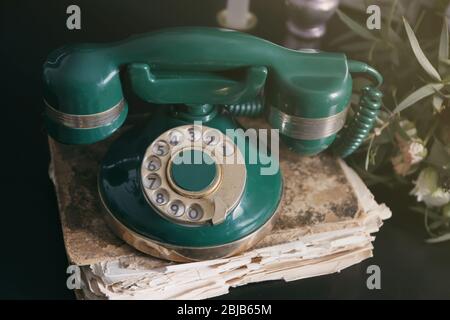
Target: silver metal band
306	128
88	121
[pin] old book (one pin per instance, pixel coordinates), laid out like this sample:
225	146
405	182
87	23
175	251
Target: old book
327	221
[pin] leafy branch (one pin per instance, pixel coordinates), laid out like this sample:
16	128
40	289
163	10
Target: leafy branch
412	134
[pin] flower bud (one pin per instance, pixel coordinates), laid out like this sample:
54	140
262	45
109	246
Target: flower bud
427	189
411	151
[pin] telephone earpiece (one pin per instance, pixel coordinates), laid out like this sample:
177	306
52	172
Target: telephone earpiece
184	211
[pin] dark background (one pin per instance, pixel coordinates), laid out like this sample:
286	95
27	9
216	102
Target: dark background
33	260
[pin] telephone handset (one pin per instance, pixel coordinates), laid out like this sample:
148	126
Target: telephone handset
156	196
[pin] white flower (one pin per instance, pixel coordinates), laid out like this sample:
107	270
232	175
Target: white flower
417	151
427	189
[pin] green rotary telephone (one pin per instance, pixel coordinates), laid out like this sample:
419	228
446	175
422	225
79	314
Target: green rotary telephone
202	77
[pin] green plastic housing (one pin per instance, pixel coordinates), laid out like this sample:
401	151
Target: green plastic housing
193	66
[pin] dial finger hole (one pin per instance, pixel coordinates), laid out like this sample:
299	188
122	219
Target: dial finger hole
226	149
161	197
152	181
176	208
195	212
161	148
153	163
194	134
211	138
175	137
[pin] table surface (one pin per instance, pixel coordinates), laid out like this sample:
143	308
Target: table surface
34	262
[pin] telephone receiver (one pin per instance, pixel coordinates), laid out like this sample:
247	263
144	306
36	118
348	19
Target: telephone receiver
152	197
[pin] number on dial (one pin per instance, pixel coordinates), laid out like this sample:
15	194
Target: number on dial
195	212
211	138
175	137
152	181
153	163
176	208
226	149
161	197
194	134
161	148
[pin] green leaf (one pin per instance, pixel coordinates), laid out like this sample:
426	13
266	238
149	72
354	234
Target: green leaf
395	58
371	51
387	27
437	224
443	45
369	150
356	27
374	179
419	94
419	20
438	103
438	156
444	237
423	210
421	58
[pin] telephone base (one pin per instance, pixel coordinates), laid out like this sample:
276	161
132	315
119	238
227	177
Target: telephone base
235	211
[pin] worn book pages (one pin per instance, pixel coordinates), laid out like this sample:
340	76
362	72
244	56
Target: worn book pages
326	221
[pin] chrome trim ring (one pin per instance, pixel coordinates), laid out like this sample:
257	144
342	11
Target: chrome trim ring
306	128
88	121
193	194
